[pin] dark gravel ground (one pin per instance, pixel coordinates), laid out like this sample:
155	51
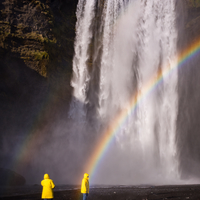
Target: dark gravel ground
181	192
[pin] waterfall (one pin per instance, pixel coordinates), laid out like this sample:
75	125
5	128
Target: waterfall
120	45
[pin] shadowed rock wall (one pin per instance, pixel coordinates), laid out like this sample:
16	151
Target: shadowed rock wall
188	126
36	51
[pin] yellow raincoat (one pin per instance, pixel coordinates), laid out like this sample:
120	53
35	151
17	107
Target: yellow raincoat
85	184
48	185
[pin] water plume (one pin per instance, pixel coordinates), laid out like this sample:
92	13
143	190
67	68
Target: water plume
134	41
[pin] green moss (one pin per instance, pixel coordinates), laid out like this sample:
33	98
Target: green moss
29	54
21	26
194	3
35	36
4	22
40	55
25	58
51	22
39	5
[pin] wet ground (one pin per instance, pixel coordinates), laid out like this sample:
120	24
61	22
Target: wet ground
191	192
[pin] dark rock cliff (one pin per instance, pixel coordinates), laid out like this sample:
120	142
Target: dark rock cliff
36	51
38	32
188	125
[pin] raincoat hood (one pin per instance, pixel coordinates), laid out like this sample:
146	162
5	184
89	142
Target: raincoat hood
46	176
86	176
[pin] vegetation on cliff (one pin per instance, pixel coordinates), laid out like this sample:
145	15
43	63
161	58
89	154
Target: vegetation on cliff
38	32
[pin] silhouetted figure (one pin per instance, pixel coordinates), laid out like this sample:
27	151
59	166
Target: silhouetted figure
48	185
85	186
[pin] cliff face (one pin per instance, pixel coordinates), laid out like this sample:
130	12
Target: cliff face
38	32
36	51
25	29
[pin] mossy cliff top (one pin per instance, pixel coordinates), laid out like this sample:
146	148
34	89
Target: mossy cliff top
41	33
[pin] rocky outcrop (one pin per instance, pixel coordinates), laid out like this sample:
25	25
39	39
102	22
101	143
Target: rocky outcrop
25	29
11	178
38	32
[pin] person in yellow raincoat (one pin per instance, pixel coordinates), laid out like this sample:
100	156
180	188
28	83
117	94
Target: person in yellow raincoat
85	186
48	185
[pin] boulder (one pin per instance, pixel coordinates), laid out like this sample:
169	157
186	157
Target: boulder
11	178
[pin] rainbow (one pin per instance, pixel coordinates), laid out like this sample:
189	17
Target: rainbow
28	144
118	122
121	118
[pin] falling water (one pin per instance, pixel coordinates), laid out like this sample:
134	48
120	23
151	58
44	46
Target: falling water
120	45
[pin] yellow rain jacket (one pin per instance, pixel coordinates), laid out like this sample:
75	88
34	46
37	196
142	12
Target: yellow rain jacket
48	185
85	184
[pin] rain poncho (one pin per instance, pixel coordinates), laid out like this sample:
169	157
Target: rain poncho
48	185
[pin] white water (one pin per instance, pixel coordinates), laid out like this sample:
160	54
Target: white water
132	43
